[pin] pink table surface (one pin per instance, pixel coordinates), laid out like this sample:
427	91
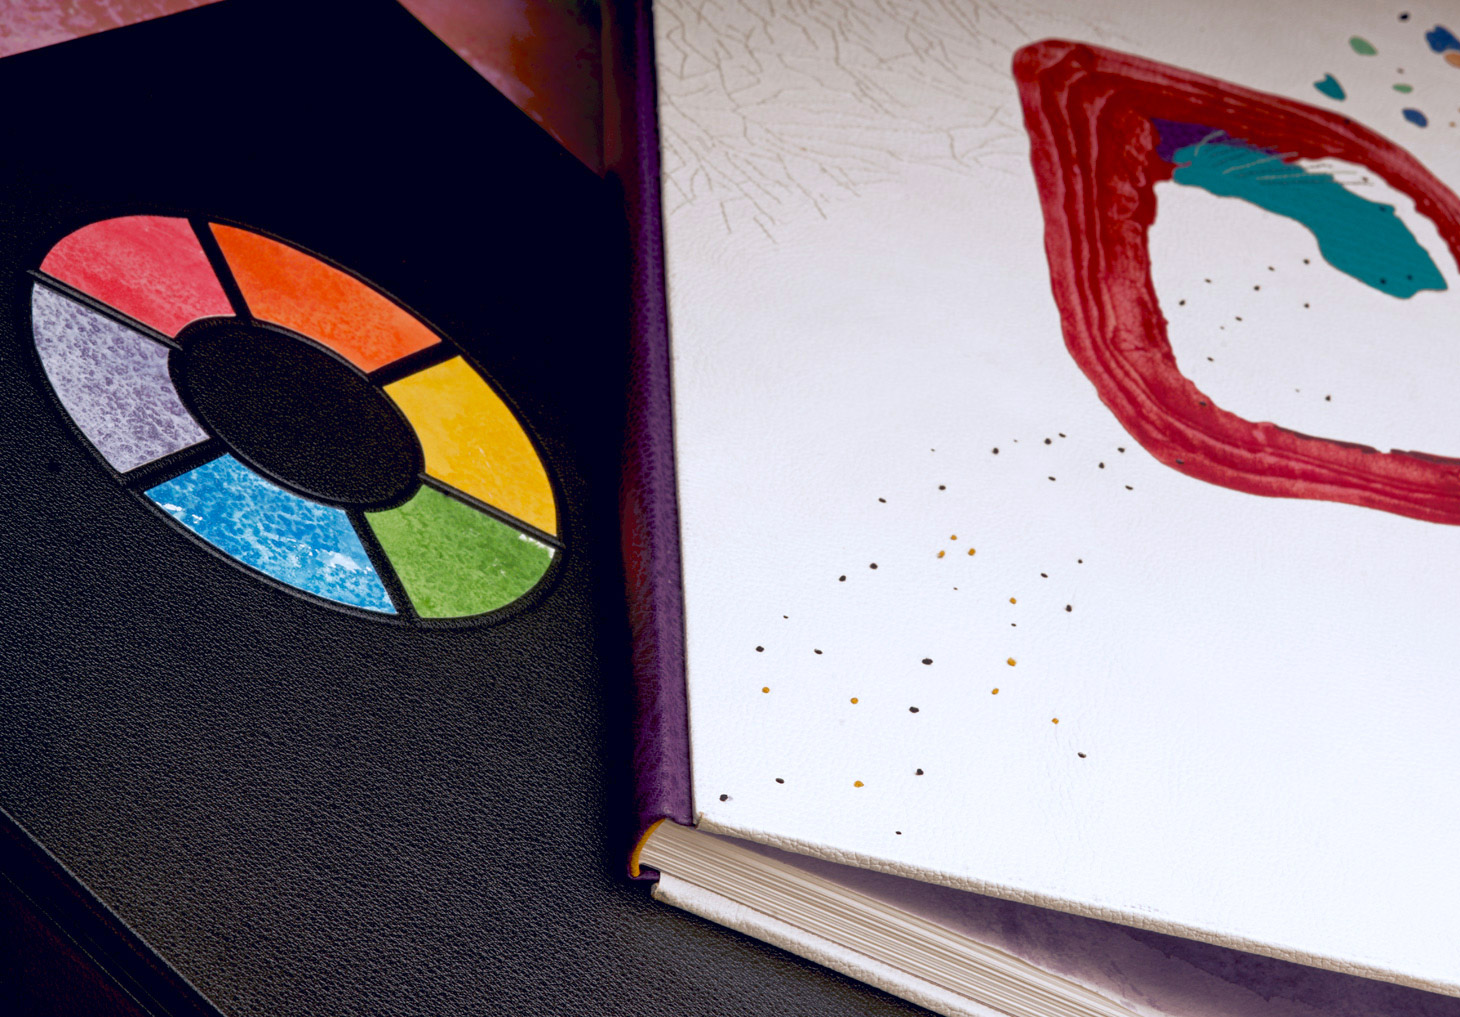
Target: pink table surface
541	54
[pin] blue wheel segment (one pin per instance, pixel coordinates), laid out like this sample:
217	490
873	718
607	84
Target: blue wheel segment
309	546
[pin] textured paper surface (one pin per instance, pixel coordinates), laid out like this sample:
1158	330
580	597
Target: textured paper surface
861	310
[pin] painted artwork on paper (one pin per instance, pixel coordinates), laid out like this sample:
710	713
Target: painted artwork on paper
293	419
1105	129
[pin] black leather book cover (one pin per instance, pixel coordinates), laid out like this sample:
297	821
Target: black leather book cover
312	361
229	777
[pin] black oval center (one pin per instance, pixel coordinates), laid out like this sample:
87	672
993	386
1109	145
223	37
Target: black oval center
298	414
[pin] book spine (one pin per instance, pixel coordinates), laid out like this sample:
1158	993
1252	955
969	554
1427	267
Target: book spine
648	505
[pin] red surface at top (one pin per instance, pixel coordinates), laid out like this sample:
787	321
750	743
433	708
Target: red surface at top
148	267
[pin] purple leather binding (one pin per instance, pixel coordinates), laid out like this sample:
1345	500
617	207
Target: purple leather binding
647	500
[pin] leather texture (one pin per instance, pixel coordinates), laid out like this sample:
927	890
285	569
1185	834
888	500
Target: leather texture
649	508
302	811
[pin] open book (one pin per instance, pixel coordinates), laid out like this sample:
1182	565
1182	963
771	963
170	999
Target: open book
1027	670
1044	380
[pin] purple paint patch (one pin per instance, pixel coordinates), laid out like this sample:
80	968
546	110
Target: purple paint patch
112	381
1176	135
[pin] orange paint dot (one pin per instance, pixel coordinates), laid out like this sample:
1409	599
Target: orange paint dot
854	699
1054	720
970	552
1011	662
766	688
940	554
995	692
1013	601
857	783
1452	58
954	537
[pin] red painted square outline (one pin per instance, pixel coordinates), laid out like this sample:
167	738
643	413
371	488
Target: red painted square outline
1088	112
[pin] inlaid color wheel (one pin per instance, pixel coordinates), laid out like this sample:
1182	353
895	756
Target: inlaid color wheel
293	418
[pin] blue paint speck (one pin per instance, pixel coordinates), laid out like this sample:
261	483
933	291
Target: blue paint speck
1417	118
1441	38
1330	87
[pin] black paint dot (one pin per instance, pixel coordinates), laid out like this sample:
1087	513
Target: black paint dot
817	652
1051	478
1181	303
918	773
1404	16
1047	441
1120	449
1305	261
724	798
1069	607
1080	754
912	709
927	660
996	451
1102	466
942	487
898	832
1129	488
1060	433
1239	317
841	579
760	649
1206	280
1257	287
1210	360
873	565
1271	269
1079	561
1044	575
1328	399
1307	305
1181	462
882	500
780	780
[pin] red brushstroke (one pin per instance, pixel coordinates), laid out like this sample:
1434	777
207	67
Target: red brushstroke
1088	112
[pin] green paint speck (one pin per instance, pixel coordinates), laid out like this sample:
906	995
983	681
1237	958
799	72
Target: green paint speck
1401	87
1363	47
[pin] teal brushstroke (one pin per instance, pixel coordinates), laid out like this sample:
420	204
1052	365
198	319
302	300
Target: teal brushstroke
1358	237
1330	87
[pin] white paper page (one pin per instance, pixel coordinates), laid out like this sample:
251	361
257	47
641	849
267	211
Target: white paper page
1256	697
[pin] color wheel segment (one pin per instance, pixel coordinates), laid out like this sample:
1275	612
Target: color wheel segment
112	380
307	545
109	314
